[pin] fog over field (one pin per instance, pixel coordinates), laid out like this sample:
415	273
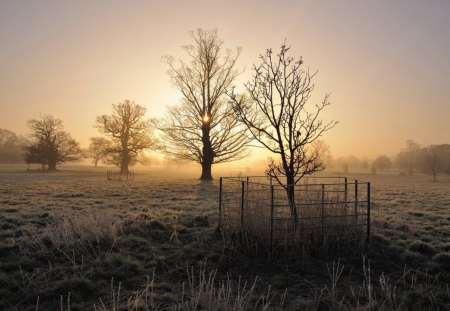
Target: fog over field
208	155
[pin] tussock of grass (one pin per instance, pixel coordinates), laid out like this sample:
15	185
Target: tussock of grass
83	229
201	221
417	214
10	210
155	224
443	259
445	246
120	267
423	248
380	240
80	289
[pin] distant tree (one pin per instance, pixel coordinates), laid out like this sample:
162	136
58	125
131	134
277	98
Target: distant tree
130	134
98	149
203	128
11	147
274	110
446	158
409	158
342	163
324	151
50	144
436	159
36	154
353	162
381	163
364	163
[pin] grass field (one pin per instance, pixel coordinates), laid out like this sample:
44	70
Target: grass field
71	239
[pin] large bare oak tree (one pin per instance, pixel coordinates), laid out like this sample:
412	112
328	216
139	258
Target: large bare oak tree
129	132
274	108
50	145
203	127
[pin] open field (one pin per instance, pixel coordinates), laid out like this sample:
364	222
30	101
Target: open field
73	231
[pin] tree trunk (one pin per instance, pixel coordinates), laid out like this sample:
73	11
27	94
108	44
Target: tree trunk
206	171
290	191
208	154
434	176
123	167
124	162
51	166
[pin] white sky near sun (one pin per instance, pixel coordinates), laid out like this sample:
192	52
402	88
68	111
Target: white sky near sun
385	63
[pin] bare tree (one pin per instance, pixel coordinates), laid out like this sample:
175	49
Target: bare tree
435	159
203	127
274	109
11	147
381	163
98	149
324	151
129	131
409	158
51	145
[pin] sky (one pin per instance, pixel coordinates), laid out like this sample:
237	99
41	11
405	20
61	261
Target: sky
385	63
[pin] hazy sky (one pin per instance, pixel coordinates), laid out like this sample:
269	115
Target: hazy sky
385	63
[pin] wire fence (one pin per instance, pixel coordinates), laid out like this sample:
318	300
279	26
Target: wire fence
328	210
118	175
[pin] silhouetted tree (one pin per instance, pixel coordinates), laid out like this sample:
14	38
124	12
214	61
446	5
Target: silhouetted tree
98	149
381	163
129	132
50	145
323	149
274	109
436	159
203	128
409	158
11	147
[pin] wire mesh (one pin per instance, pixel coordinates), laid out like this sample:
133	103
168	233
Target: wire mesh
313	212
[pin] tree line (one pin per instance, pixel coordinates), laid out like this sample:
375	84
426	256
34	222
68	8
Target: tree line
411	159
433	159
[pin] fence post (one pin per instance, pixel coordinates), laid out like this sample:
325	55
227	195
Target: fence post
368	211
271	221
346	190
242	204
356	199
323	210
246	197
220	203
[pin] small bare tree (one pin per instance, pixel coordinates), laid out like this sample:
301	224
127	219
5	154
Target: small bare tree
435	160
408	158
203	128
98	149
129	131
274	109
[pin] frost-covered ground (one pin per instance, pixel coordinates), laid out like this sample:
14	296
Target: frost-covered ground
74	231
